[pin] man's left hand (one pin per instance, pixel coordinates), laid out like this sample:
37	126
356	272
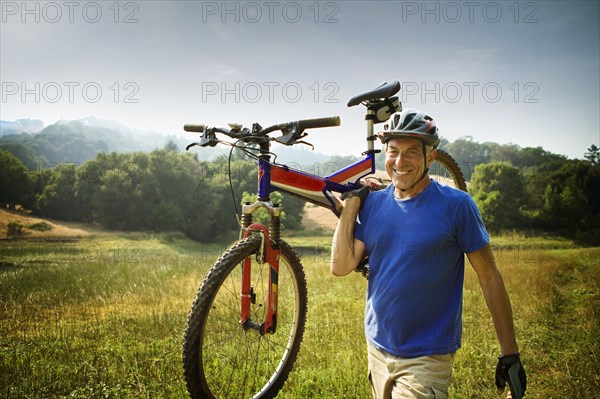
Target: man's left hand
510	369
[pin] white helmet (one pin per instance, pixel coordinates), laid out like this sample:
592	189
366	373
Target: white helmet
412	124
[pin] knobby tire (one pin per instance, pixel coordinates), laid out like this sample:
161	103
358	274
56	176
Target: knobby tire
220	358
445	170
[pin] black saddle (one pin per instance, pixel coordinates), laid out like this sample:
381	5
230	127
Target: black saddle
384	90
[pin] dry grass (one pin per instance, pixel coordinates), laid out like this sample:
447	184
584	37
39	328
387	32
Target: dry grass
28	223
316	217
103	317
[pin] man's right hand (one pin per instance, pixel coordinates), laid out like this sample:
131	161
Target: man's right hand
361	193
347	251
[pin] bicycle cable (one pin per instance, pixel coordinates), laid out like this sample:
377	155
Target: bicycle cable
248	151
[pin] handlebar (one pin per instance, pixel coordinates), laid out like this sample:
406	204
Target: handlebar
194	127
291	131
319	122
303	124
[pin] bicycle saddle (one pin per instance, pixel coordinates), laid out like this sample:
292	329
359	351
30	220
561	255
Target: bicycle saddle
384	90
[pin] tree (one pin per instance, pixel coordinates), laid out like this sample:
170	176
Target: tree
593	154
166	216
25	154
119	203
572	199
171	146
179	197
506	153
468	154
87	182
15	181
58	198
499	192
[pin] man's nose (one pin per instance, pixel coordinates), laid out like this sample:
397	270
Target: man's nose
400	159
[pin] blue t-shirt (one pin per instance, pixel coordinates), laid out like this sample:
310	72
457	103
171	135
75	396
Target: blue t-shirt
416	256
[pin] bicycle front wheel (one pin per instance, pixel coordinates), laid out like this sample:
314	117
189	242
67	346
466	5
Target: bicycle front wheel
223	360
445	170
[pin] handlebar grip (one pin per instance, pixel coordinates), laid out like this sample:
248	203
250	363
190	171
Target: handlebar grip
194	127
319	122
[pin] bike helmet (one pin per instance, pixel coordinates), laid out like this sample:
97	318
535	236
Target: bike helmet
412	124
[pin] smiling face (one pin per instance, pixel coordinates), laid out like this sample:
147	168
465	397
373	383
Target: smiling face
405	164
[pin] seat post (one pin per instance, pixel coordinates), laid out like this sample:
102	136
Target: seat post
370	129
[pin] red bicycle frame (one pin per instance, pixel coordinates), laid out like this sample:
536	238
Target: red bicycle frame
311	188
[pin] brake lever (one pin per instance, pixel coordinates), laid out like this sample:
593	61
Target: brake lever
292	136
305	142
208	139
209	142
289	136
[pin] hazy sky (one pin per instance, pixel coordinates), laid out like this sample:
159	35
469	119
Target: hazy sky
521	72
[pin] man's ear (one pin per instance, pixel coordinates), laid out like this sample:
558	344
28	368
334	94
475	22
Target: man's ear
431	156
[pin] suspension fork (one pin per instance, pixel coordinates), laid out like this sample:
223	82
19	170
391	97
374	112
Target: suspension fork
269	252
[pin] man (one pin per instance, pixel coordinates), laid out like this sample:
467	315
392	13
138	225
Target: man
416	233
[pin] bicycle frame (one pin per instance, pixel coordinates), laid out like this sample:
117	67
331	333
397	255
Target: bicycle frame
310	188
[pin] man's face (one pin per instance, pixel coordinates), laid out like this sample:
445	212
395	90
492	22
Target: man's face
404	162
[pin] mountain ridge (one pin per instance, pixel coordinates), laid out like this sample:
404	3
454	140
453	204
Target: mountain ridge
76	141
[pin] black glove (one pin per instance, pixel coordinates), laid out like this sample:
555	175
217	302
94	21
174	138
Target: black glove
510	369
362	193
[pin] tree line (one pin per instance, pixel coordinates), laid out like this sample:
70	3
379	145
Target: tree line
160	191
530	188
165	190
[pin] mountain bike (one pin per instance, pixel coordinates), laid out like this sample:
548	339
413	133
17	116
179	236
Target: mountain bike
246	323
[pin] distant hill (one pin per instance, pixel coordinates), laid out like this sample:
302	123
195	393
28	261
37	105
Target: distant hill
74	141
20	126
77	141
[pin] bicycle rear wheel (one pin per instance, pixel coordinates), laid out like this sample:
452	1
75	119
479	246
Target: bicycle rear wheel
223	360
445	170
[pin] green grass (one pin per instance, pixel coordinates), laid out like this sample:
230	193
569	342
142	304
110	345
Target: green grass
103	317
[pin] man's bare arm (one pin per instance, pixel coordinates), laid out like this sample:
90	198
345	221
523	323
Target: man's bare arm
346	251
496	297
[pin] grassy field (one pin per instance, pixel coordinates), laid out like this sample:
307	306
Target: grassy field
103	317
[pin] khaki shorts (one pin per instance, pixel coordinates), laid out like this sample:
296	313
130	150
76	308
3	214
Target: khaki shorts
425	377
